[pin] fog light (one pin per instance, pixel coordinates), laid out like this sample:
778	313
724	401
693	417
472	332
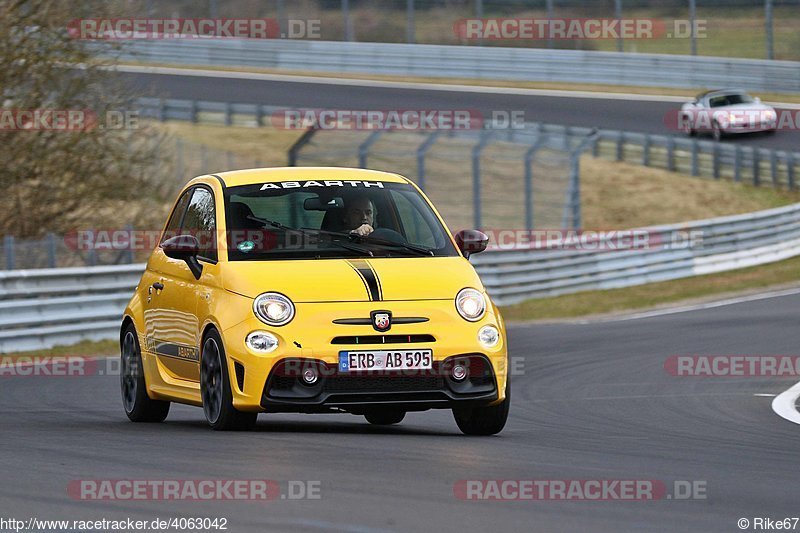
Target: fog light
262	341
459	372
488	336
310	376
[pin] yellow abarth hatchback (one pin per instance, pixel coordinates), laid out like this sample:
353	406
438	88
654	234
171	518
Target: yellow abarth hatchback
313	290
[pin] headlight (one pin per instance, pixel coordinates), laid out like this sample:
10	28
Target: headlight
262	341
489	336
274	309
470	304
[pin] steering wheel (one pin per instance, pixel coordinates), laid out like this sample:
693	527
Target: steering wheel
387	234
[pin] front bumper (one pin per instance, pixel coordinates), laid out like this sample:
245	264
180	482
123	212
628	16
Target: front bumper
310	337
356	392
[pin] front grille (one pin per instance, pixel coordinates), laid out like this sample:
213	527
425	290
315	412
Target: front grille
383	339
390	383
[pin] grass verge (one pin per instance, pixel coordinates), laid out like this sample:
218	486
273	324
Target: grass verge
81	349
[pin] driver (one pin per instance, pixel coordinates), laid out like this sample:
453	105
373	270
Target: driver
359	215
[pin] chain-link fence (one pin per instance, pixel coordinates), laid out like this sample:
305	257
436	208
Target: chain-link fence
496	179
491	179
730	28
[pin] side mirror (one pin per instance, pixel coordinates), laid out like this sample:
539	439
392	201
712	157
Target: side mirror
471	241
184	248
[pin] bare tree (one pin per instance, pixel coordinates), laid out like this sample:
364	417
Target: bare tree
55	180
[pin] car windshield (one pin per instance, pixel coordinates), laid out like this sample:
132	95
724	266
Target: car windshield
730	99
331	219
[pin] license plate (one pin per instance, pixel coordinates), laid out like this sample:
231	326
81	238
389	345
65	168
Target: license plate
385	360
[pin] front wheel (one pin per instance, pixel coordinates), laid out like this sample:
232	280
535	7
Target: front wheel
138	406
487	420
215	389
716	132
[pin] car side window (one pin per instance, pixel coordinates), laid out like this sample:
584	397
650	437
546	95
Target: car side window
200	221
174	225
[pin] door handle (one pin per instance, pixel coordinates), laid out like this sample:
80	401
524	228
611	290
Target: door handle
158	286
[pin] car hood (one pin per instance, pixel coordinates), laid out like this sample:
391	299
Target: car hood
353	280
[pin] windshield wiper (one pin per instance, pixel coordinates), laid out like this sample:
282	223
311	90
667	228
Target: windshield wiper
421	250
346	245
412	247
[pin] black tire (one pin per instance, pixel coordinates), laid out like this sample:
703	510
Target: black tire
215	389
487	420
716	131
385	417
691	132
138	405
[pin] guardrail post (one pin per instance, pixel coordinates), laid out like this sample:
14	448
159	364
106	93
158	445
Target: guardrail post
129	252
773	167
756	167
737	164
692	24
671	153
8	251
410	33
298	145
486	136
768	27
790	169
193	114
620	140
596	146
567	135
646	150
162	110
91	257
421	152
363	149
695	165
348	26
51	250
259	115
573	204
715	160
529	154
228	114
179	159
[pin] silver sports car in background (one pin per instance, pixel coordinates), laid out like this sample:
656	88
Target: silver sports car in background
726	111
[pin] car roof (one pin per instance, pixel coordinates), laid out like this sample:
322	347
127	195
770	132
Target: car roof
720	92
270	175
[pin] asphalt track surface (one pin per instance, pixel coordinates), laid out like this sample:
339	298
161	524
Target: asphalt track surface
592	401
616	114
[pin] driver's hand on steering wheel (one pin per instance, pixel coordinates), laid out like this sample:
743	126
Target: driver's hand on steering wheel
363	230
